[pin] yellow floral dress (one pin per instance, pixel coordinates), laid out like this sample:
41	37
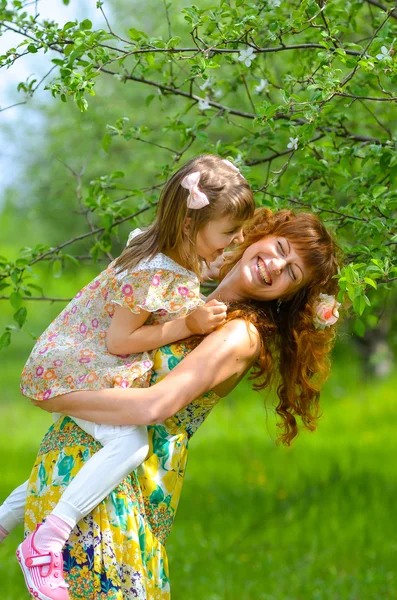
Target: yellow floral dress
72	355
117	552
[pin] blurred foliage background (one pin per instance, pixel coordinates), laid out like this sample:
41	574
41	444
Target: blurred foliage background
256	521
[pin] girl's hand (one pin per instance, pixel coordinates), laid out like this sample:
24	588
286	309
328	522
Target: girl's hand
206	318
50	405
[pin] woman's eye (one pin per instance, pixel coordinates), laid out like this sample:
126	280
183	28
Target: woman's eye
281	248
293	276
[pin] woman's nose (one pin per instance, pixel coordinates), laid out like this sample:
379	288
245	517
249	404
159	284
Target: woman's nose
277	265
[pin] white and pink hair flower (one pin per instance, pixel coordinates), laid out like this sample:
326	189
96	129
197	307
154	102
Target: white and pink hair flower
326	311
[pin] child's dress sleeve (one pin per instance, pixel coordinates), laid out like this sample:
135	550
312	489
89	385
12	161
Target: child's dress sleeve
157	284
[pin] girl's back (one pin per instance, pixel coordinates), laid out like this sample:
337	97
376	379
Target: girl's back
72	354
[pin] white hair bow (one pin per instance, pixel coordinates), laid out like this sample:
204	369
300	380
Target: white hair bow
232	166
196	198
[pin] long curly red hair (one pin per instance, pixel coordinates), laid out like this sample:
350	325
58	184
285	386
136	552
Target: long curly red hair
286	329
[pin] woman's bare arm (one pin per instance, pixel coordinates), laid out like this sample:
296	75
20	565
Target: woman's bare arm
223	356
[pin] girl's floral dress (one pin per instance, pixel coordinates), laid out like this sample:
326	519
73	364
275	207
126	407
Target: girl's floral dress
117	552
71	354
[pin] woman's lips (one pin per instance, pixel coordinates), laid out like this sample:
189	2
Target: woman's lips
263	272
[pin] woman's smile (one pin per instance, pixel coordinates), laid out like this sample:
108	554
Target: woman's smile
263	272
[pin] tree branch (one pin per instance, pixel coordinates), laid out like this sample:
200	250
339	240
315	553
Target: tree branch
382	7
88	234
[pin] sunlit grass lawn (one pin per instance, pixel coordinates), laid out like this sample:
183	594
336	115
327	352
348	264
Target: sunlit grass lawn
259	522
255	521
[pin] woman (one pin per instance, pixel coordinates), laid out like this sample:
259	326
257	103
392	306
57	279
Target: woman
272	283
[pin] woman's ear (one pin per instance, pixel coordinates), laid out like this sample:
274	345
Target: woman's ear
187	225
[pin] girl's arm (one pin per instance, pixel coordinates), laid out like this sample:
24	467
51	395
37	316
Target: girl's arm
218	363
128	333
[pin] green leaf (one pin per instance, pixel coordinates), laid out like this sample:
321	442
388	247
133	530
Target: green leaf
379	190
15	299
106	141
57	268
86	24
359	328
117	174
20	316
108	221
136	35
36	287
69	25
371	282
32	49
5	340
82	104
359	304
72	259
173	42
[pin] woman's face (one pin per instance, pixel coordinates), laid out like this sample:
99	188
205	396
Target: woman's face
272	269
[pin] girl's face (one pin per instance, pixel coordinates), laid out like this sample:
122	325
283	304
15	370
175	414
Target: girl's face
272	269
216	235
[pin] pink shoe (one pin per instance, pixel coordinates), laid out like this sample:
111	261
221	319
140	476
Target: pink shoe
43	572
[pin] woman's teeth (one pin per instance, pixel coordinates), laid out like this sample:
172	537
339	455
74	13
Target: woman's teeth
263	272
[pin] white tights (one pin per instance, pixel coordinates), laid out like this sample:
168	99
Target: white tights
124	449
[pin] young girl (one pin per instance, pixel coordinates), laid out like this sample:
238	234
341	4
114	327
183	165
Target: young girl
104	338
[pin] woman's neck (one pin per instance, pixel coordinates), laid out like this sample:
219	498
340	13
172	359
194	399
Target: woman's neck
228	290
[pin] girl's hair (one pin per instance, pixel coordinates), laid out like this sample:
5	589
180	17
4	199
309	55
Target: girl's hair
287	329
228	193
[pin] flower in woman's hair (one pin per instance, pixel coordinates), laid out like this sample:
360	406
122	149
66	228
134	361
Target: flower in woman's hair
293	143
326	311
247	56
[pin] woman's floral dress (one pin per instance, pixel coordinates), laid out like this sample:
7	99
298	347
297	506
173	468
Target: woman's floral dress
72	355
117	552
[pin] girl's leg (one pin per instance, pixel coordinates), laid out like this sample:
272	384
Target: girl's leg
124	449
12	511
40	555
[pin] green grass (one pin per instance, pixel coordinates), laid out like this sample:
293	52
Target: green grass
256	521
316	521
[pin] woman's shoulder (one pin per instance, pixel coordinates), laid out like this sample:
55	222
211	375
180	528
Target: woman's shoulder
241	335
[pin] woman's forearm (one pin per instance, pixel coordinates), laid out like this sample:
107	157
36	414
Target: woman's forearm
223	356
113	406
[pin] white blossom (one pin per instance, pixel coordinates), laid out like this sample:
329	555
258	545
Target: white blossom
384	54
247	56
207	83
293	143
262	87
204	104
218	94
274	3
